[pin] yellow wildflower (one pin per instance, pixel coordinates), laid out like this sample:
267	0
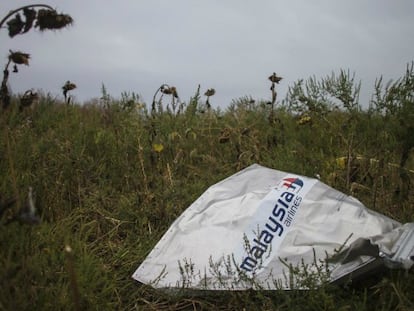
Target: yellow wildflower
157	148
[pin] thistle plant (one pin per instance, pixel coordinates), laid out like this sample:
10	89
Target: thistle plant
45	18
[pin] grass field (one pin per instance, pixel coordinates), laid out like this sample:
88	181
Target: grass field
109	178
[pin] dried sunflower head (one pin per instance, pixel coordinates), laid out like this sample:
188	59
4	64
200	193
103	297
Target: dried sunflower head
15	25
169	91
45	19
166	90
174	91
210	92
19	58
225	135
274	78
69	86
30	15
28	98
50	19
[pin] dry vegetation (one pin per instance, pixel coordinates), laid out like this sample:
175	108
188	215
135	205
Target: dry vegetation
109	178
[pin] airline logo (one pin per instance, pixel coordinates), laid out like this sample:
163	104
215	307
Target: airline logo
274	217
293	183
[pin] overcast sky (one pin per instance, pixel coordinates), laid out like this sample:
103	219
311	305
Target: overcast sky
229	45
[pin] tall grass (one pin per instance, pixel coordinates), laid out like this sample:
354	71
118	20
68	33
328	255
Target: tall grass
110	179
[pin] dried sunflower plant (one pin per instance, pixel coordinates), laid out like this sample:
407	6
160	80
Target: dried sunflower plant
208	94
67	87
39	16
275	79
165	89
